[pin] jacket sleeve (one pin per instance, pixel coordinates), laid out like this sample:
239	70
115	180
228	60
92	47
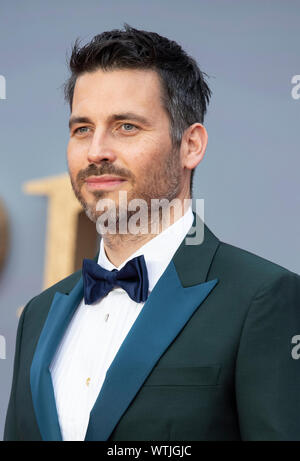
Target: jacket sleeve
268	363
11	430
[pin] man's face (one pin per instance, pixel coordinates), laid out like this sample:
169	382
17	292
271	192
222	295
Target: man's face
120	129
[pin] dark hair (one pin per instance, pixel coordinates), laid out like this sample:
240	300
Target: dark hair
185	93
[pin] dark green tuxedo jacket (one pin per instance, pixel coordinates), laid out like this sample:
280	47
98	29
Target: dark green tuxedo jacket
208	358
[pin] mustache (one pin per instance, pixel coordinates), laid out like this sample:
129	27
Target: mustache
105	168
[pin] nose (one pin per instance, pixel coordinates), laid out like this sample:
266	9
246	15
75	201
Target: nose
101	148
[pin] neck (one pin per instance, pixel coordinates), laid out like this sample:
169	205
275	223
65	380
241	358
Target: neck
119	247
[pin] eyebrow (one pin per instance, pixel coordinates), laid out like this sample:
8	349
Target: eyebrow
113	118
74	119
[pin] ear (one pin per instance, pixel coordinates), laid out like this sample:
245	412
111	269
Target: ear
193	145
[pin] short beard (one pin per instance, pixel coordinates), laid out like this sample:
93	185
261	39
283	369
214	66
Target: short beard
163	183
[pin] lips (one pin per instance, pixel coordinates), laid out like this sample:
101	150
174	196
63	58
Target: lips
103	182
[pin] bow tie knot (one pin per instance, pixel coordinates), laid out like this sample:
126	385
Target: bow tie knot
98	282
110	275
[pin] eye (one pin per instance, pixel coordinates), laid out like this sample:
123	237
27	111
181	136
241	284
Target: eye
78	130
128	127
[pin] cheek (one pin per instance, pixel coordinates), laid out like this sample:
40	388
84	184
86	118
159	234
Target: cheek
148	155
74	157
142	165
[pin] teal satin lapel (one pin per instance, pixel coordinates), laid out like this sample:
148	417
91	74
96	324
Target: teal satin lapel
59	316
165	313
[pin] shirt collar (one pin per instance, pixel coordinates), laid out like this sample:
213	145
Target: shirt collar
158	251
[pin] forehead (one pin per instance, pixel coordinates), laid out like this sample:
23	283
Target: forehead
119	89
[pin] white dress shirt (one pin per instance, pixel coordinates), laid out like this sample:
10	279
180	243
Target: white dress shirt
97	331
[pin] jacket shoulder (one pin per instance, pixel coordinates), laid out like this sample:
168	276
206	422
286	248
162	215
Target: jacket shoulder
45	297
245	267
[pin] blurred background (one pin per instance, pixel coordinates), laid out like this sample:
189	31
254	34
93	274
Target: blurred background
249	178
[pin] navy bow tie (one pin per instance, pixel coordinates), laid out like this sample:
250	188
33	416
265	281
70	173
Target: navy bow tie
133	278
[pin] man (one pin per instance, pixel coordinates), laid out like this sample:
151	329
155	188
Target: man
156	338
